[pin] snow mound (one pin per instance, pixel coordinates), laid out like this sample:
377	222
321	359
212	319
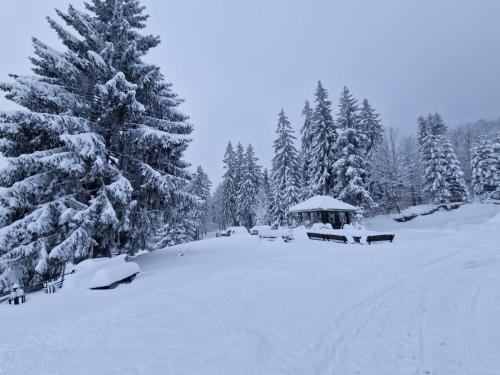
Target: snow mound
115	273
87	269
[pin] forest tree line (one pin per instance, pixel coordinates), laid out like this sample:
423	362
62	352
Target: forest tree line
351	156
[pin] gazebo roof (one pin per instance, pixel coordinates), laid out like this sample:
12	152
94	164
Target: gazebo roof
322	203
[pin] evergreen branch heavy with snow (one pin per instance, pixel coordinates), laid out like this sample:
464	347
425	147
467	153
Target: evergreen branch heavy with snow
97	157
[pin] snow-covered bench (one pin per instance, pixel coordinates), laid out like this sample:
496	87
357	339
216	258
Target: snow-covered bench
380	237
110	276
316	236
335	237
326	237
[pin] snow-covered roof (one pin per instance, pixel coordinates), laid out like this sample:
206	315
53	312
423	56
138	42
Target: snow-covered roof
322	203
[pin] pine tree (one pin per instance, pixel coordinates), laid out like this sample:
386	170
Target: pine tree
454	174
322	144
371	127
434	162
200	188
97	156
443	175
485	166
306	155
264	200
229	186
284	174
351	164
239	165
249	190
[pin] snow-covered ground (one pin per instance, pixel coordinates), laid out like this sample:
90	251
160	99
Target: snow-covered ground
427	304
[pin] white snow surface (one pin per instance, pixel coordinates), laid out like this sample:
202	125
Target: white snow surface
238	230
322	202
427	304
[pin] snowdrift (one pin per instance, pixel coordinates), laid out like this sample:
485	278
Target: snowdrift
101	273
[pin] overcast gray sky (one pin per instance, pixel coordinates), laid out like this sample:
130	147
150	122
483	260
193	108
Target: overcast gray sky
236	63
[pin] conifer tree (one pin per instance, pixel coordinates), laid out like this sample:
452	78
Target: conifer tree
351	164
485	166
306	155
371	127
200	187
249	190
324	137
97	155
434	162
239	164
264	200
443	175
284	174
454	174
229	186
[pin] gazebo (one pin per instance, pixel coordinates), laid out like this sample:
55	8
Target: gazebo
324	209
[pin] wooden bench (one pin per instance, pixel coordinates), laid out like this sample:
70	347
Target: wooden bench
316	236
335	237
326	237
380	237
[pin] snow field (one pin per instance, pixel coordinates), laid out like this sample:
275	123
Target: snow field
426	304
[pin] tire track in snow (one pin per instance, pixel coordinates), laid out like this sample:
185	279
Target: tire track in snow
328	351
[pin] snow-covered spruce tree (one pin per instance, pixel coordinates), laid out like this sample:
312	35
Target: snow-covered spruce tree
434	162
350	166
264	200
248	193
453	172
98	153
443	175
306	154
284	173
239	163
323	141
200	187
485	166
371	126
230	187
